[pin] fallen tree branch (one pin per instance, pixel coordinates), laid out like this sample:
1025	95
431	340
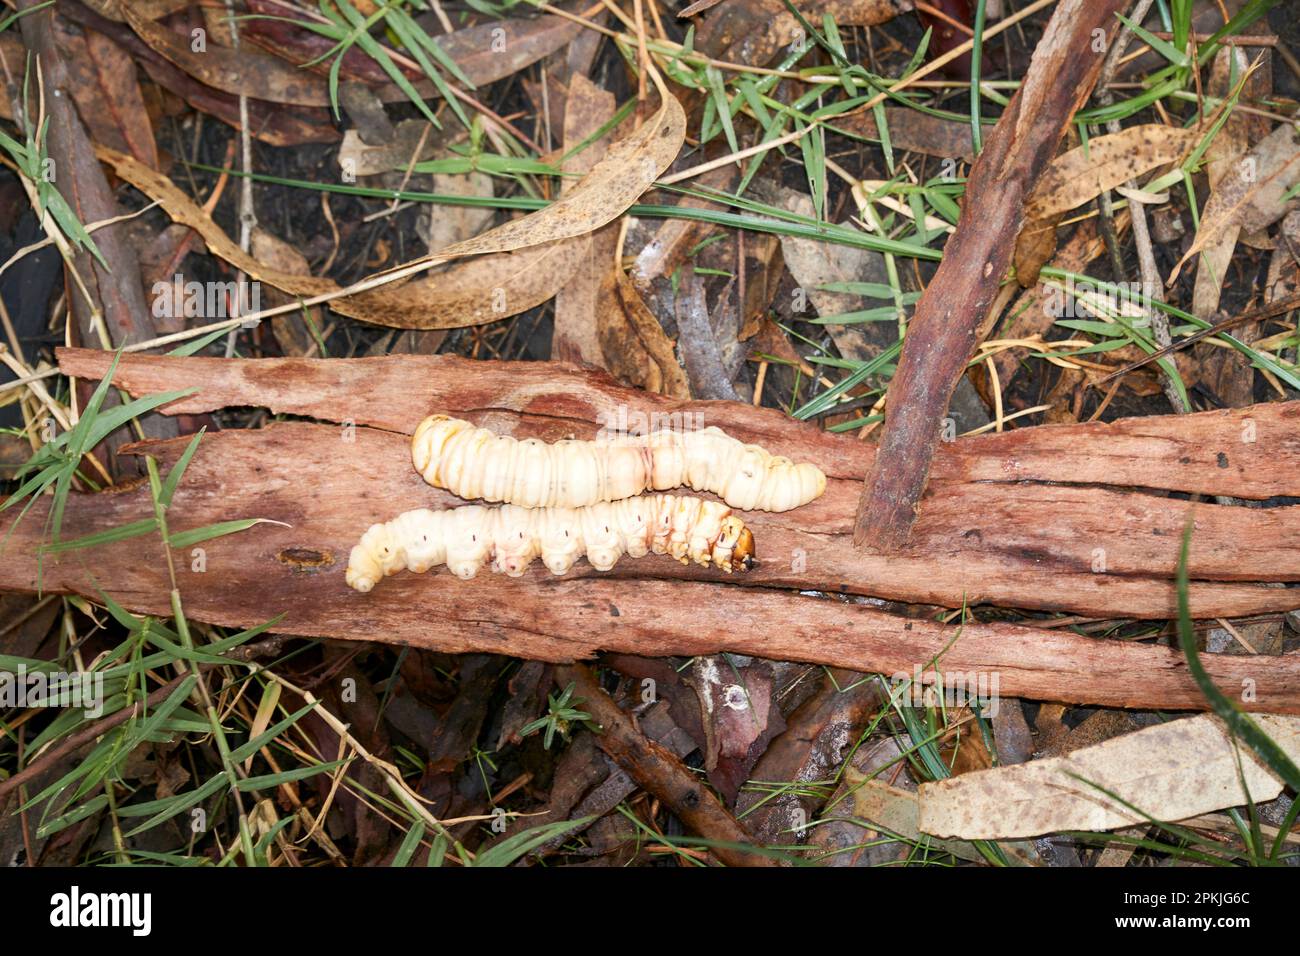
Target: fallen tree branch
946	325
988	536
1248	453
658	771
328	489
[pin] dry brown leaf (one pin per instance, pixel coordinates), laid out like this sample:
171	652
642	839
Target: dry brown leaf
448	224
1037	307
1170	772
914	132
153	9
1035	246
623	354
272	123
753	31
481	290
247	71
1285	260
655	345
1250	199
1239	129
292	331
1222	156
12	51
675	238
485	52
813	264
360	158
629	168
1083	173
471	293
963	747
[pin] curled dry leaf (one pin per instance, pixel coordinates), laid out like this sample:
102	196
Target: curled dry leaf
640	344
1142	196
623	353
614	183
470	293
1170	772
590	293
474	292
1251	199
1222	156
627	170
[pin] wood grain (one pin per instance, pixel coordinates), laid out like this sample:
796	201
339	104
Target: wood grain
328	488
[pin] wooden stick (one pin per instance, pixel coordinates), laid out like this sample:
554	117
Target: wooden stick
658	771
944	331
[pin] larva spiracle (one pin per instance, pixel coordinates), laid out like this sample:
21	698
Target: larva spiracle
508	537
477	463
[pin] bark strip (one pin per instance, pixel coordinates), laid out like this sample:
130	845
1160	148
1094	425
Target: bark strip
327	484
947	323
1245	453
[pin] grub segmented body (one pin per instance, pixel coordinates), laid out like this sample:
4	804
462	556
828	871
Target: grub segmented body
476	463
507	538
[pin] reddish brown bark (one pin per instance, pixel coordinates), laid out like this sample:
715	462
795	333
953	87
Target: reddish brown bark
945	327
1247	453
327	489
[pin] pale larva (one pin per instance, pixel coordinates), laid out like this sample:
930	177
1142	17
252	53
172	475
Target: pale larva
508	538
477	463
